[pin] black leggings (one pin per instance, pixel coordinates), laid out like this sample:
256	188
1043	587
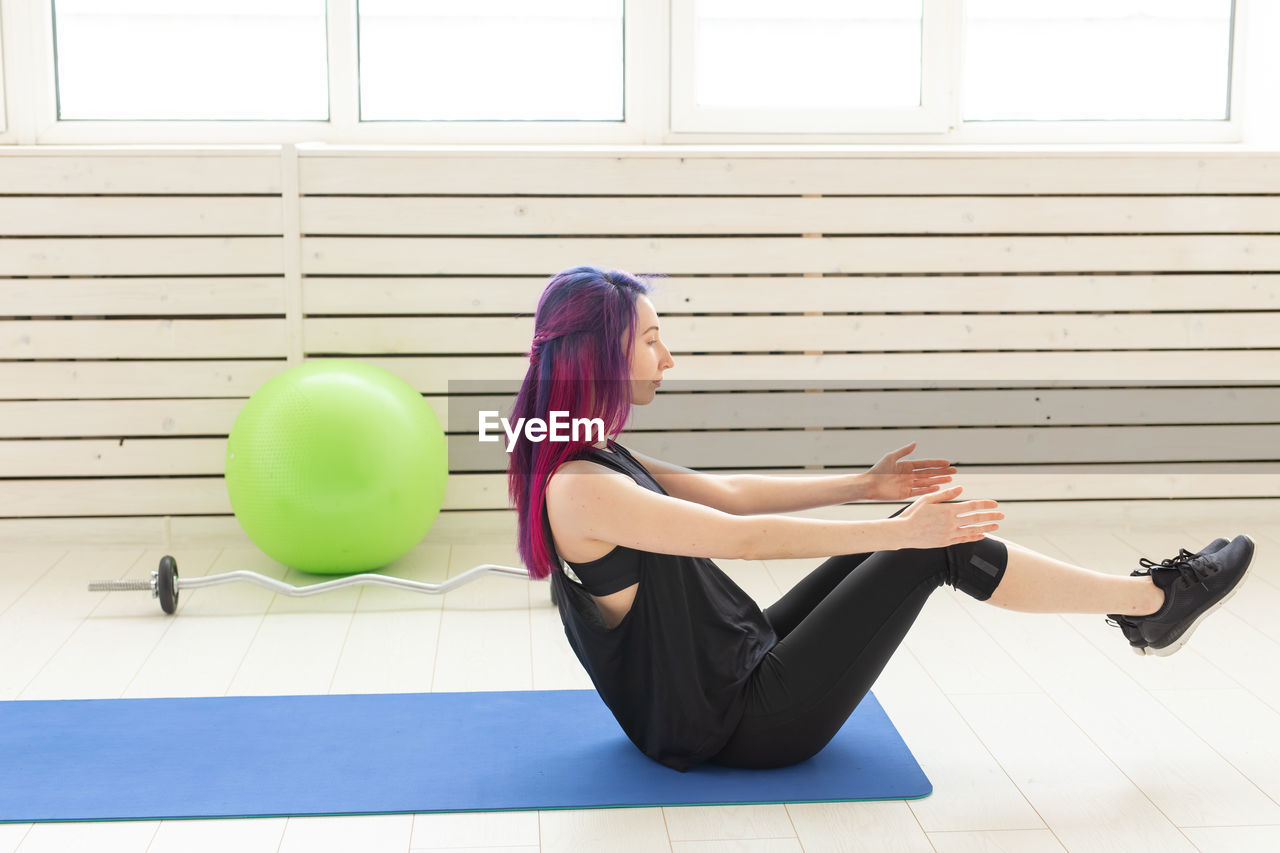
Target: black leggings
837	629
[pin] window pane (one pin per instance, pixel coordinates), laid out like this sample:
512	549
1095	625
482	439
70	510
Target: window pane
191	59
1097	59
808	54
491	60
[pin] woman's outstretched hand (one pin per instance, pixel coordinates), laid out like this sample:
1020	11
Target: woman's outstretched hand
930	523
894	478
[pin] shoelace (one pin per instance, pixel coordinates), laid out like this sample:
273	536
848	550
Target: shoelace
1179	562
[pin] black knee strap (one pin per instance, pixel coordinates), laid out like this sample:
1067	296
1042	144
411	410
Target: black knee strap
977	567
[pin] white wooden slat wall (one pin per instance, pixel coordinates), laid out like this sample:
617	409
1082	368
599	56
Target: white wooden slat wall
142	301
145	294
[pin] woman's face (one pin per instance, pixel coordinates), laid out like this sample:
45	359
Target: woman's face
649	355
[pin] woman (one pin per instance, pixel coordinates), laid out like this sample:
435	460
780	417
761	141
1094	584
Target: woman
691	668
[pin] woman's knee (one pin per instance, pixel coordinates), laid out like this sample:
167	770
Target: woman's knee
976	568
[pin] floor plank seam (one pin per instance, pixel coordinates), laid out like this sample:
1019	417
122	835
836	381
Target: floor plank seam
959	716
1076	724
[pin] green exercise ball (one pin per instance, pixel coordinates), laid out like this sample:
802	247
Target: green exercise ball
336	466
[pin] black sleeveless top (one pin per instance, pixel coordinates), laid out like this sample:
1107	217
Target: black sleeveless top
613	572
674	671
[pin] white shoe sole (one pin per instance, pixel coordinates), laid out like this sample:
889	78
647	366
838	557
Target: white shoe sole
1186	635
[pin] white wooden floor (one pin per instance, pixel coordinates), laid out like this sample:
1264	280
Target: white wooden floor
1040	733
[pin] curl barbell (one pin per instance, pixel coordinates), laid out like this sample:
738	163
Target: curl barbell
165	583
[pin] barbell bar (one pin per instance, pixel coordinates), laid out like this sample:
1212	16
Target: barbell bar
166	585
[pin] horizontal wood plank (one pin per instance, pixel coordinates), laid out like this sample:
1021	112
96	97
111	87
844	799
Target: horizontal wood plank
746	408
485	216
139	339
1218	480
113	497
928	408
432	375
471	526
221	531
696	255
207	496
37	170
1128	448
21	532
190	531
118	418
353	296
100	380
130	256
97	380
972	446
646	171
171	297
134	457
145	216
912	333
867	294
107	496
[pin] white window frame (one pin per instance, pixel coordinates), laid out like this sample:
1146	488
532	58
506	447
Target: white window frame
702	125
930	116
1215	130
4	106
651	114
643	25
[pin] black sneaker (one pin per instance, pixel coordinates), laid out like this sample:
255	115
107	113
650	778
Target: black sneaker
1128	625
1194	585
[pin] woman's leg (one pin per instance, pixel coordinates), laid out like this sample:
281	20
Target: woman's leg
1036	583
811	681
798	602
810	591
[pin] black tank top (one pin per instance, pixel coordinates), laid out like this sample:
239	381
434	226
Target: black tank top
613	572
674	671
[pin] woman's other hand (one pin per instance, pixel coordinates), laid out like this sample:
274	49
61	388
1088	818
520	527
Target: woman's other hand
894	478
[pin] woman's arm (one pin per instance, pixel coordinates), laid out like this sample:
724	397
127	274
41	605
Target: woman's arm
753	494
759	494
589	501
892	478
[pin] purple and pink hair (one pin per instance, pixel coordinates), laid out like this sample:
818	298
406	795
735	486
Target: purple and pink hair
580	363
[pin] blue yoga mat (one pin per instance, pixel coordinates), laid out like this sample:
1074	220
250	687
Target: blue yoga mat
269	756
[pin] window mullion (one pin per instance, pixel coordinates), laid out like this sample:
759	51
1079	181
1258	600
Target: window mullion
29	59
1246	76
955	11
936	81
344	69
647	75
6	123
